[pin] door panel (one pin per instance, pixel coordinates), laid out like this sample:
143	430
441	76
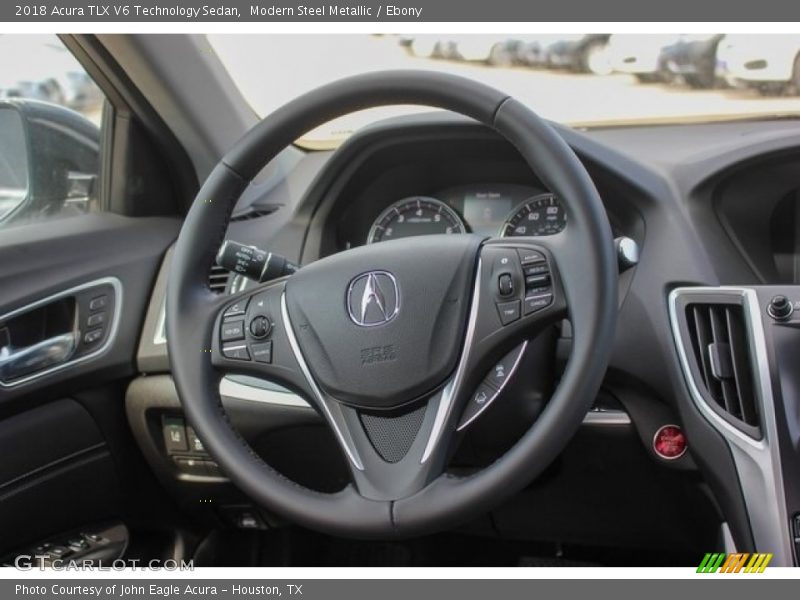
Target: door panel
76	278
61	467
90	254
56	472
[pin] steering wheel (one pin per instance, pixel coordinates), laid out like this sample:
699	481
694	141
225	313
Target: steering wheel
390	342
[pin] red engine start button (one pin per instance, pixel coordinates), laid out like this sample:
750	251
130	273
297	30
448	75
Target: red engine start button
669	442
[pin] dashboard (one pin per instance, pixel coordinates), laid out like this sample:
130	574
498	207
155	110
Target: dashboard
759	208
444	183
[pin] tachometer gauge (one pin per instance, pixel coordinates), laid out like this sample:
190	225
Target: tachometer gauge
539	215
417	215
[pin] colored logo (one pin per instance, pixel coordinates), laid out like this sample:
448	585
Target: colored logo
740	562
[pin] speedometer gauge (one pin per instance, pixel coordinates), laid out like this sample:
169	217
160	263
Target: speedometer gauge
417	215
539	215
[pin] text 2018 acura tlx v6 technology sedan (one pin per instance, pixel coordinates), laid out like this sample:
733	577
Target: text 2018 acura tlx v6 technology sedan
466	336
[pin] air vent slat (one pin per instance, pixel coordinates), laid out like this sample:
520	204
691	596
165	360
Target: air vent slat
719	341
218	279
702	339
254	213
730	398
741	367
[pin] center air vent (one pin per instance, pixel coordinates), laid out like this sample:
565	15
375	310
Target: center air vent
218	279
722	355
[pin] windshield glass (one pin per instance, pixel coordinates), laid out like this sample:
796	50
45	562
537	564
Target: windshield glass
586	80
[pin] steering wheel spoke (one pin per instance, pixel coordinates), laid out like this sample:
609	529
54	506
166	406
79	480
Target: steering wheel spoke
388	451
518	293
250	337
390	446
254	335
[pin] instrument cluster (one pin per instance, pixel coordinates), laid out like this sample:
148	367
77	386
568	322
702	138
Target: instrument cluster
501	210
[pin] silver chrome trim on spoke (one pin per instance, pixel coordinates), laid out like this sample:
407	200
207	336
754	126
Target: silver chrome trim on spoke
236	347
112	332
757	461
453	386
241	391
352	454
253	393
500	389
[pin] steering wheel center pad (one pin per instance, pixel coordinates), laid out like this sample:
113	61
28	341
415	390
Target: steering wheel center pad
407	302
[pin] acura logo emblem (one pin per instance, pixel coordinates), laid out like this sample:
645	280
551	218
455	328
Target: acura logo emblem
373	298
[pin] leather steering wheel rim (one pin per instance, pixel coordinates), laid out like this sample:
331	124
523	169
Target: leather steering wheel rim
590	282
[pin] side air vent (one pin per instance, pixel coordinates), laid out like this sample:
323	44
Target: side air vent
254	213
218	279
718	334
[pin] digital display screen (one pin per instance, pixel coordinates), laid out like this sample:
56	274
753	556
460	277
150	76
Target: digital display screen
486	211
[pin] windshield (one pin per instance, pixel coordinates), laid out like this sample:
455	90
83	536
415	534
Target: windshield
587	80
